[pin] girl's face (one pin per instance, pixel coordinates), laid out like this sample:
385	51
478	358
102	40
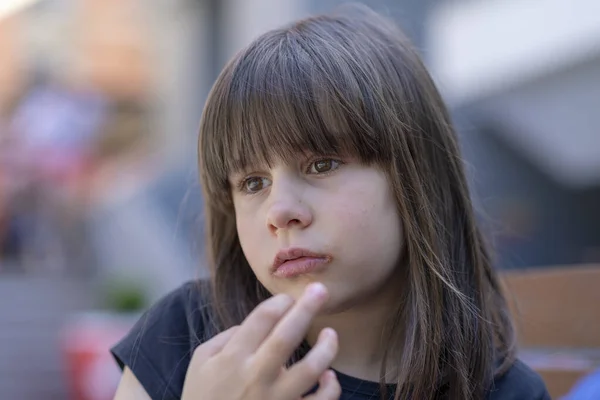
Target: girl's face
331	220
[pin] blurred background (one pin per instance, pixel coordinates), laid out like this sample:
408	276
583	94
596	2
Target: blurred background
100	207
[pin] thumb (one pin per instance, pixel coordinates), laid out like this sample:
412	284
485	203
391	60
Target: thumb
213	346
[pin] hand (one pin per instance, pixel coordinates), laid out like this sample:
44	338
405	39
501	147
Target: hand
246	362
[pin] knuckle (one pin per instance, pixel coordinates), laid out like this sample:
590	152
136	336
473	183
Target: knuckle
200	351
252	373
313	367
278	343
229	356
197	353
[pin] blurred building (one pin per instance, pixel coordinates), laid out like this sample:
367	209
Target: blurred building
524	80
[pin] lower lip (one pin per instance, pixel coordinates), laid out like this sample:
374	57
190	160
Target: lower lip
300	266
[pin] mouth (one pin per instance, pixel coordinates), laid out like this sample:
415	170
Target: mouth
296	261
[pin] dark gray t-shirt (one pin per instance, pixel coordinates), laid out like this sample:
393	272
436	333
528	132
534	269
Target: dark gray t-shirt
158	350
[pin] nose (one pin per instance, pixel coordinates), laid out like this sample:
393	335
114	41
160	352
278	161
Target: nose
287	210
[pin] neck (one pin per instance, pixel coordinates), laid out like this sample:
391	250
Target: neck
360	330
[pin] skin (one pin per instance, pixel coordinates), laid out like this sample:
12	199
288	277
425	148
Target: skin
252	356
344	210
335	207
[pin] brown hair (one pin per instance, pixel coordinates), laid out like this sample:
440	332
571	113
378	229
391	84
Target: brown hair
351	83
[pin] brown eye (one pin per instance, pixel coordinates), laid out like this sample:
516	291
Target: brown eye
255	184
323	166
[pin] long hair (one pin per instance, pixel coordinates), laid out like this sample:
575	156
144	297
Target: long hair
350	83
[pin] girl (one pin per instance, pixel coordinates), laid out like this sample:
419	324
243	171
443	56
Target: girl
344	253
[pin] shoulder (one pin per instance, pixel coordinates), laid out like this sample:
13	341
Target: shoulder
159	346
519	382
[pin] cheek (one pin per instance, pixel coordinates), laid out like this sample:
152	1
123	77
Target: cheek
352	216
364	209
367	225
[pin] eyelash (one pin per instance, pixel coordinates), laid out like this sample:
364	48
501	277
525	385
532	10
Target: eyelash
241	186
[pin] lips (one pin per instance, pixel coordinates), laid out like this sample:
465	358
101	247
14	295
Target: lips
298	261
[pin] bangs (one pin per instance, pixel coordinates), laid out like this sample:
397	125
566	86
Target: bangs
287	94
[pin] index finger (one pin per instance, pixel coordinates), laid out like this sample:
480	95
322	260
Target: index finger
290	331
257	326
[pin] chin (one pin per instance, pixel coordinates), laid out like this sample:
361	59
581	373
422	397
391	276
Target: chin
293	286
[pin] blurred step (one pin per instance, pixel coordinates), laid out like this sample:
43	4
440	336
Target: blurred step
32	312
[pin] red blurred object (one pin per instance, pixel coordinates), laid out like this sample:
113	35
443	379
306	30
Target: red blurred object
92	372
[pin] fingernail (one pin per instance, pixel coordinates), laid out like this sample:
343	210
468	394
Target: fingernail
317	290
327	333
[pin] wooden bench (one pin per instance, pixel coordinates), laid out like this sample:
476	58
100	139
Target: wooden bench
557	313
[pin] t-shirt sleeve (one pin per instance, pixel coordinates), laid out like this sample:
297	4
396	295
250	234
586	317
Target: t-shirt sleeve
158	348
